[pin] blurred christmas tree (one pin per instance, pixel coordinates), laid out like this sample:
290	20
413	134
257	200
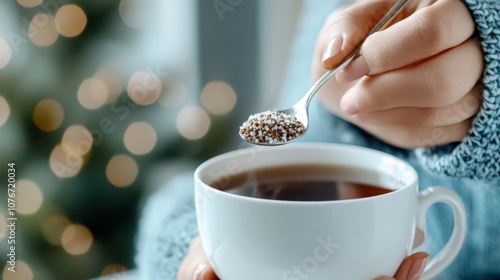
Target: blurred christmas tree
85	112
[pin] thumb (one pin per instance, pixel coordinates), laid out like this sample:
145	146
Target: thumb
204	272
346	29
410	269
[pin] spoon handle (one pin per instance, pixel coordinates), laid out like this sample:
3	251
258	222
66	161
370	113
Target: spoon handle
382	23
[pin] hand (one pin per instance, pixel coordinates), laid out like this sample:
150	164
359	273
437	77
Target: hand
195	265
416	83
411	268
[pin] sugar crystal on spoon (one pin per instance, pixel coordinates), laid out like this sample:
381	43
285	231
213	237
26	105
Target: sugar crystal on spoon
271	127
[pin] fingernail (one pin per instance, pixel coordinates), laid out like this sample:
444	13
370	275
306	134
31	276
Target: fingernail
355	70
417	268
349	104
333	47
200	271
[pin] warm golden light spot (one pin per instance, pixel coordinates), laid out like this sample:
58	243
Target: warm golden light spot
4	110
29	3
53	228
65	164
5	53
92	93
121	170
135	13
3	226
174	93
77	140
140	138
48	115
144	88
29	197
70	20
218	97
23	272
42	30
112	81
76	239
113	268
193	122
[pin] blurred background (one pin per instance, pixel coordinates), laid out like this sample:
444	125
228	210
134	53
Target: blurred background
102	101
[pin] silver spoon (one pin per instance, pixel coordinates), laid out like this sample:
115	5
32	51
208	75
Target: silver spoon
301	109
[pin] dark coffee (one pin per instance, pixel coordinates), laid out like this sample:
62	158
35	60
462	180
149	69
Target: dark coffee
302	183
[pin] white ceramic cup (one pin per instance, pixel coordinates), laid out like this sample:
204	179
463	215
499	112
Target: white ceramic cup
254	238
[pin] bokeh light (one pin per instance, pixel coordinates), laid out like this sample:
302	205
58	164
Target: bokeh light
23	272
70	20
218	97
140	138
193	122
174	93
112	81
121	170
65	164
76	239
92	93
48	115
42	30
135	13
4	110
29	197
53	227
5	53
3	226
144	88
77	139
29	3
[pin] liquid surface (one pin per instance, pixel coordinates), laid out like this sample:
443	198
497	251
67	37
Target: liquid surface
302	183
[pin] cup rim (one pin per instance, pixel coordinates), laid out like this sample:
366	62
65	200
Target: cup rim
310	145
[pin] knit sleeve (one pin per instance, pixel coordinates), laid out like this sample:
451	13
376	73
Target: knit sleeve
478	155
166	227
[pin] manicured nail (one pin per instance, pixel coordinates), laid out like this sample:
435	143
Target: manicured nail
349	104
355	70
417	268
200	271
333	47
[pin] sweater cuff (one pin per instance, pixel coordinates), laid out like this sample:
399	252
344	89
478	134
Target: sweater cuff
478	155
166	228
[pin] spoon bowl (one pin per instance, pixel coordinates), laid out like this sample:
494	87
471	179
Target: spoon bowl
301	109
299	112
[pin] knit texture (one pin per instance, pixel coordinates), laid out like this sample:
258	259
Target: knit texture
478	155
167	226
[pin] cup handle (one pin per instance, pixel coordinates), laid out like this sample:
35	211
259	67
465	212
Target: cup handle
444	257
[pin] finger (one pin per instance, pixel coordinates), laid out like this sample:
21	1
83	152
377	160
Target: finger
437	82
345	29
195	265
412	267
385	278
411	137
462	110
429	31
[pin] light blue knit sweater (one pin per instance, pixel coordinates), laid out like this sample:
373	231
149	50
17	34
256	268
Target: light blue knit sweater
471	168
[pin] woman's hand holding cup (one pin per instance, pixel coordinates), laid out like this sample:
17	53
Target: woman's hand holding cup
196	266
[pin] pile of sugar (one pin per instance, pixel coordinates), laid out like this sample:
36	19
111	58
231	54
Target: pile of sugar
271	127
